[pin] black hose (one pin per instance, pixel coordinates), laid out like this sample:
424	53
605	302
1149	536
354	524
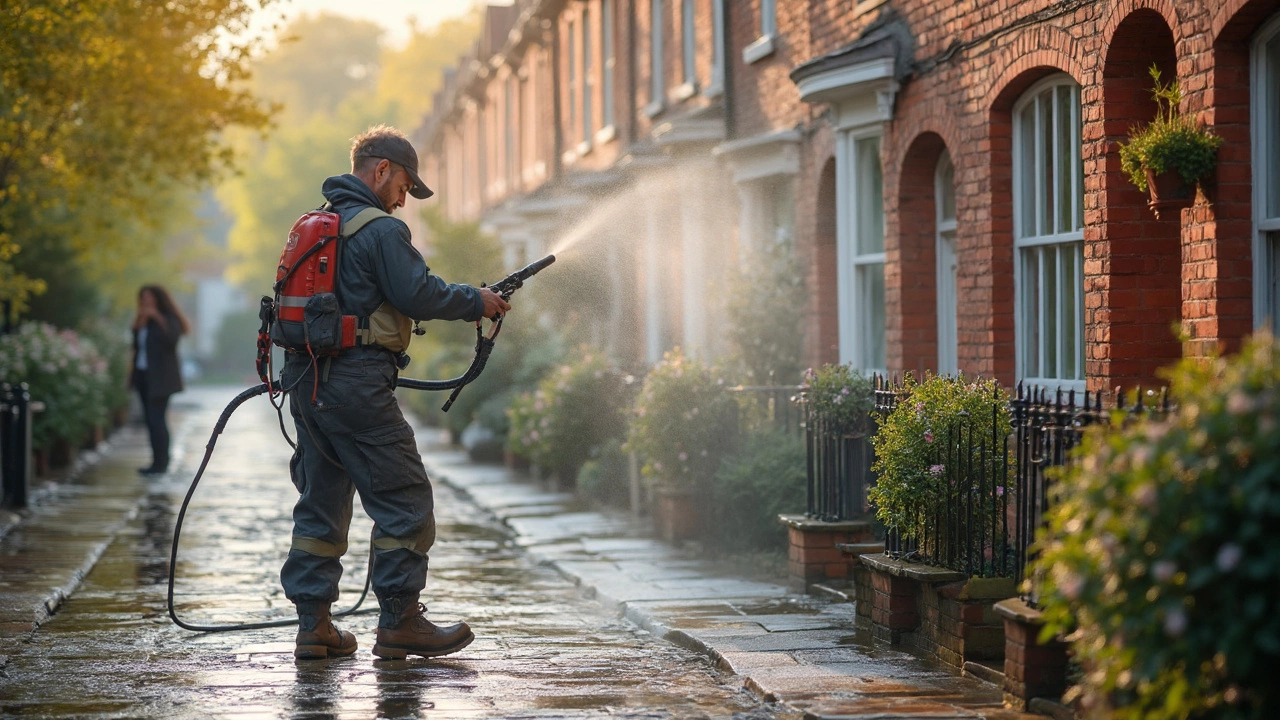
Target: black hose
483	347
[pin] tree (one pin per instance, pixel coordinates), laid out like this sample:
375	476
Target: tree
112	99
410	77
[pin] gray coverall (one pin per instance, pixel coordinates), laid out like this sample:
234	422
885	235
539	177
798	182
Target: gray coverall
356	421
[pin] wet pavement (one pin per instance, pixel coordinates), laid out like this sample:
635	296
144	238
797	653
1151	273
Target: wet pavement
542	650
576	614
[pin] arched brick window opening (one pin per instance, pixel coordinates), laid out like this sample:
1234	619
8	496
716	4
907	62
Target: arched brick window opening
824	268
913	330
1133	261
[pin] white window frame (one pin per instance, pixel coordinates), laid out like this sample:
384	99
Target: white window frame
588	84
610	61
1266	227
763	47
657	82
689	45
855	322
716	86
945	285
572	57
1037	242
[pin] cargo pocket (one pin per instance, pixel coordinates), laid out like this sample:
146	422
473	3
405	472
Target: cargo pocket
391	457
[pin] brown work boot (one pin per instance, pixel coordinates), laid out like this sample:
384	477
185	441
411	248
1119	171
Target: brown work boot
414	634
318	637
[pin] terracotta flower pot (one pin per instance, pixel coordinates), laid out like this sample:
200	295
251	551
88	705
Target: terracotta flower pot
678	513
1169	192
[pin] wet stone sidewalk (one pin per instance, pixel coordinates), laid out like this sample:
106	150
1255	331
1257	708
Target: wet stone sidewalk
799	653
96	551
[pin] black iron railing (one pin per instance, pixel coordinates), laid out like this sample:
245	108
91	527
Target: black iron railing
15	444
961	519
1047	426
769	407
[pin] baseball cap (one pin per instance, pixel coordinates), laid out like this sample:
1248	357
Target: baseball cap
399	151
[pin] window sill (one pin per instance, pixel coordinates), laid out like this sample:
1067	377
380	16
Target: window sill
584	148
606	134
653	109
684	92
758	50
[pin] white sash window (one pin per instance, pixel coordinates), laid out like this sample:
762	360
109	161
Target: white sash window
1266	176
1048	220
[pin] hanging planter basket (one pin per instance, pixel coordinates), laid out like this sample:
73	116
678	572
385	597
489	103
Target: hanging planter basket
1170	193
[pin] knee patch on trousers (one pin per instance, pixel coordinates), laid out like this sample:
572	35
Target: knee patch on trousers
318	547
418	544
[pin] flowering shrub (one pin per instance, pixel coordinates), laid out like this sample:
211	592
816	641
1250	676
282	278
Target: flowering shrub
577	407
1162	550
839	395
65	372
916	441
682	422
755	484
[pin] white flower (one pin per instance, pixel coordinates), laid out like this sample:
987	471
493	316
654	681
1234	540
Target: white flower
1229	557
1175	622
1164	570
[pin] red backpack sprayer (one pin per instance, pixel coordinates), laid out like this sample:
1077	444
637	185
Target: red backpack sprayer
304	317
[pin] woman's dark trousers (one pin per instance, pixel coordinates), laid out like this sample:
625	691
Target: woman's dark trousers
153	411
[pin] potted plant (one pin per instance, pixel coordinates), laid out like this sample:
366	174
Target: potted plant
682	423
1168	156
576	408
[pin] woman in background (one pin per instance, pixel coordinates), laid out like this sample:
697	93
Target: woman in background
156	372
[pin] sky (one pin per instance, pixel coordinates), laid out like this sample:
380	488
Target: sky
391	14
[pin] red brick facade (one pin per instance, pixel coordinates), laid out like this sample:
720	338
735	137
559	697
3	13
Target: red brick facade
1151	289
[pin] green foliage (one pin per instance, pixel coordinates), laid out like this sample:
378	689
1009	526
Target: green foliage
1172	141
605	477
766	477
460	253
577	407
410	76
915	441
683	422
840	396
1163	549
766	301
102	104
62	370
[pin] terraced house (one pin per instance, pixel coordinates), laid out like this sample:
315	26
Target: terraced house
947	172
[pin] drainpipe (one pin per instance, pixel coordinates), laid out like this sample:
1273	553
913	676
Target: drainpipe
726	70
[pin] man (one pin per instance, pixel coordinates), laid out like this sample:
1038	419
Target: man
352	436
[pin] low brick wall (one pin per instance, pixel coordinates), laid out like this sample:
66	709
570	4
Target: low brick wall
813	555
1031	669
934	611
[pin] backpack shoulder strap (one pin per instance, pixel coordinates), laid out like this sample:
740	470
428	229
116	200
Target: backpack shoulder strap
362	218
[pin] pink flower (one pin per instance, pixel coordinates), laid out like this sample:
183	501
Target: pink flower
999	491
937	470
684	456
928	436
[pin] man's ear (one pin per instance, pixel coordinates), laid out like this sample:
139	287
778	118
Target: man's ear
381	170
